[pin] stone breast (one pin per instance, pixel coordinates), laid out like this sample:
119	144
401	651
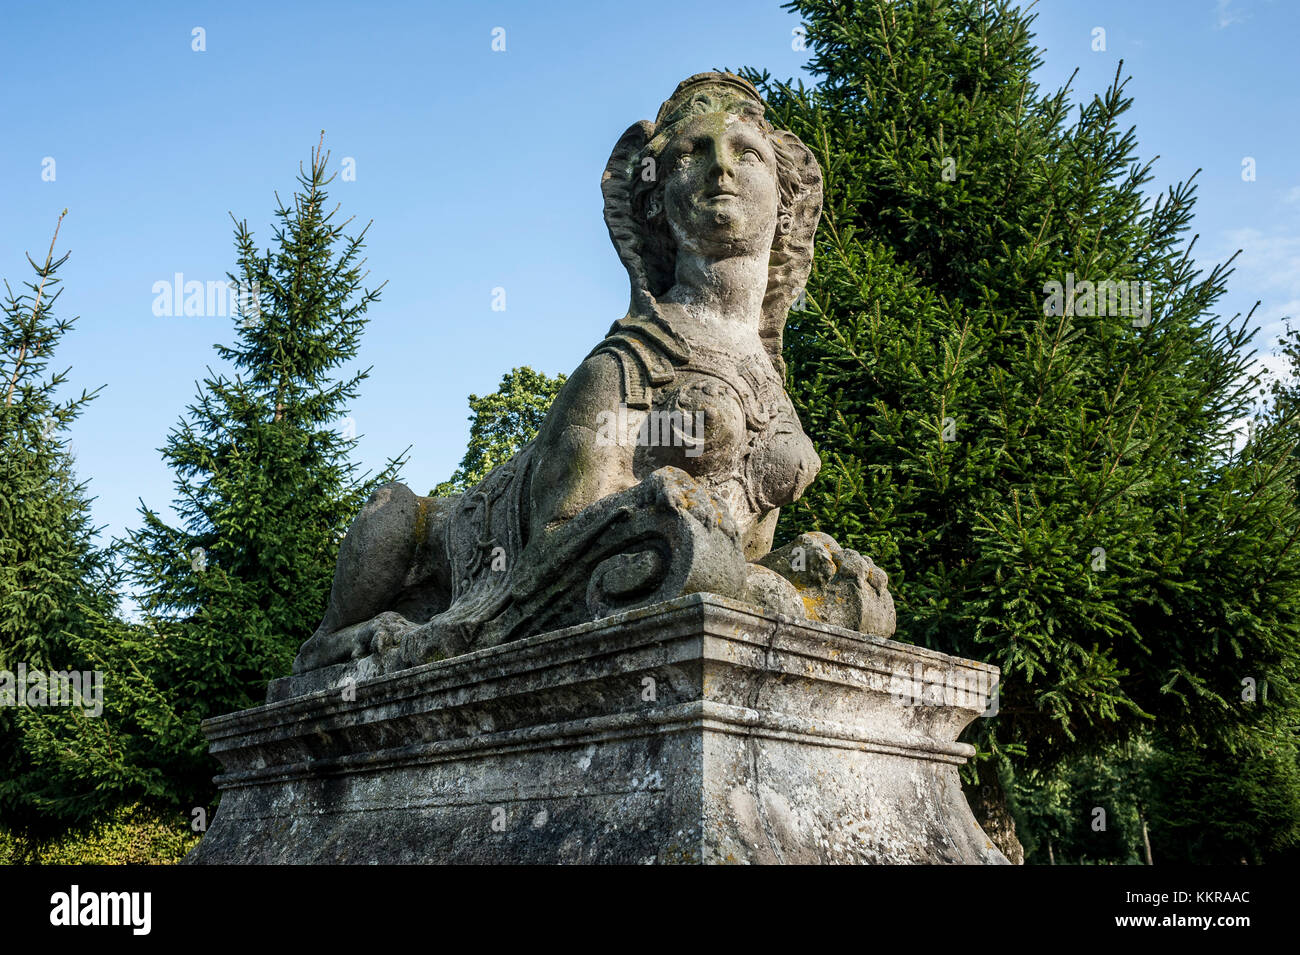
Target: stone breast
729	421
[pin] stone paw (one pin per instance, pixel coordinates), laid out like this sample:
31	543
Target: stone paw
837	585
385	632
435	640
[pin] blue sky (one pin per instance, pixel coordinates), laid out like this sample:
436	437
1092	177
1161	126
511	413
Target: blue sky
481	170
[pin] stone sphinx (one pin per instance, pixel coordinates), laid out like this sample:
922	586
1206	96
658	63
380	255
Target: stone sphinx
594	655
661	467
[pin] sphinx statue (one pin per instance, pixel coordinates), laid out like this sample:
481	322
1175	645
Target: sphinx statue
661	467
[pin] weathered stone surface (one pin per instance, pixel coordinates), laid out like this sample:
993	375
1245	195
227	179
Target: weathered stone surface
697	731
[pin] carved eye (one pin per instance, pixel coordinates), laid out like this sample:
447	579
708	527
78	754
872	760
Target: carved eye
750	153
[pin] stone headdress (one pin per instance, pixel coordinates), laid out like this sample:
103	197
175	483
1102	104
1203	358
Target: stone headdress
650	257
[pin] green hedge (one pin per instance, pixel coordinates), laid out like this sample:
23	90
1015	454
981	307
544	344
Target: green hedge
133	835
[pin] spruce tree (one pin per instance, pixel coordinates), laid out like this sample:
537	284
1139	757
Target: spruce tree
1050	481
53	578
265	491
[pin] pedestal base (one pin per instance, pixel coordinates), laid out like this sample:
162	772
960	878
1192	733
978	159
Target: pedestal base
694	731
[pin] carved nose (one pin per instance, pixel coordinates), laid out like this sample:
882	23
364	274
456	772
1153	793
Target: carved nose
721	168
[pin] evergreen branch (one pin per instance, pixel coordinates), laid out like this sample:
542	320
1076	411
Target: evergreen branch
36	307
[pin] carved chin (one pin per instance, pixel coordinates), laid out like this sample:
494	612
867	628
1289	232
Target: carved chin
724	232
718	216
725	229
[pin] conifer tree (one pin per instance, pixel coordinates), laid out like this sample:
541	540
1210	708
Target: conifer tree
52	575
265	491
1049	478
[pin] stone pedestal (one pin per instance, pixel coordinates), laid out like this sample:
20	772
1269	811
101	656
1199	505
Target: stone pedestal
695	731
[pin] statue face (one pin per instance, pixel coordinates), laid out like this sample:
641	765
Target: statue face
720	188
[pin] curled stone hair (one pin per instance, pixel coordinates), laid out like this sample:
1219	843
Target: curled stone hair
646	245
